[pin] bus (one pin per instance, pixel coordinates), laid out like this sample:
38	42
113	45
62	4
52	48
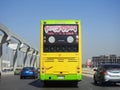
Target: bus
60	50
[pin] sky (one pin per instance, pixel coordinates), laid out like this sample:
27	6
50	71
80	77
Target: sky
100	21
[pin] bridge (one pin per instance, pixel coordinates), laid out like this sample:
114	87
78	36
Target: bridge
18	45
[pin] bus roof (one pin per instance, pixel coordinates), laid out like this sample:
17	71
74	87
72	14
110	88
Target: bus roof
60	21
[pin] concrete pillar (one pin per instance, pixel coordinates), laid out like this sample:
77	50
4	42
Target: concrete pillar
3	38
14	59
34	61
25	51
0	57
24	59
31	60
38	60
14	46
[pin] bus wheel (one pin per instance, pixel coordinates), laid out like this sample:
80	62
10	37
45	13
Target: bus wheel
21	77
75	83
44	83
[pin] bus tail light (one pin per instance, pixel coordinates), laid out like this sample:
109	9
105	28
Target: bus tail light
44	22
76	22
78	69
43	70
103	73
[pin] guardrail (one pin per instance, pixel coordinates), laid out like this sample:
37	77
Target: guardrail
88	72
85	71
7	73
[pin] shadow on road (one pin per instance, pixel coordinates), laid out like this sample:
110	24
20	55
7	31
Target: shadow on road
107	85
37	83
40	84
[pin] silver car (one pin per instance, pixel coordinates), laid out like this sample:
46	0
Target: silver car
107	73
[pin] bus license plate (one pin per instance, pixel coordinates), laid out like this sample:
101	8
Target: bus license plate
60	77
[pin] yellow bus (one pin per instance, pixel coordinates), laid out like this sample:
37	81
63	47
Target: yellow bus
60	50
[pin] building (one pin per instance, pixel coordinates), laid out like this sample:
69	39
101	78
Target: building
105	59
88	63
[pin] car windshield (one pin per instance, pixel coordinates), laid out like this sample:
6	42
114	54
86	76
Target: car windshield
28	68
111	66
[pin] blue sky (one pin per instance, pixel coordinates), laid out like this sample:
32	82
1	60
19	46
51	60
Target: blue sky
100	21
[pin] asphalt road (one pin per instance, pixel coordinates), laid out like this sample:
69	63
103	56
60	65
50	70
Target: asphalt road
12	82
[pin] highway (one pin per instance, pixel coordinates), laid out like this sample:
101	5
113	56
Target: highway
11	82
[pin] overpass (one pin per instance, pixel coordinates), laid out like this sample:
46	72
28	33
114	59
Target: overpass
17	44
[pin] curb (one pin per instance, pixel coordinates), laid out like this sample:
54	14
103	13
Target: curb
6	73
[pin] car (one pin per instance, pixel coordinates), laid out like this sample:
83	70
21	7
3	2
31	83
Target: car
28	72
0	75
38	70
17	71
107	73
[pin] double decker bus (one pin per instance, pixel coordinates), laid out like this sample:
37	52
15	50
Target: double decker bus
60	50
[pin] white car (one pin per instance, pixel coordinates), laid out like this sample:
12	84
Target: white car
0	74
107	73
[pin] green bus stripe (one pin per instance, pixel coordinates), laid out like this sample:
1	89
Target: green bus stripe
66	77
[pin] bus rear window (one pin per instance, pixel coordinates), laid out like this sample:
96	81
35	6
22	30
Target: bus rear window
60	38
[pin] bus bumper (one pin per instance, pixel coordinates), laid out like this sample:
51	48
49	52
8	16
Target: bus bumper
76	77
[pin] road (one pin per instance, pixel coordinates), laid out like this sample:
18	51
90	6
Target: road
12	82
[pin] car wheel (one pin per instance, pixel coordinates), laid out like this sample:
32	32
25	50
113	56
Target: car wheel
99	83
34	77
114	83
37	76
95	82
21	77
